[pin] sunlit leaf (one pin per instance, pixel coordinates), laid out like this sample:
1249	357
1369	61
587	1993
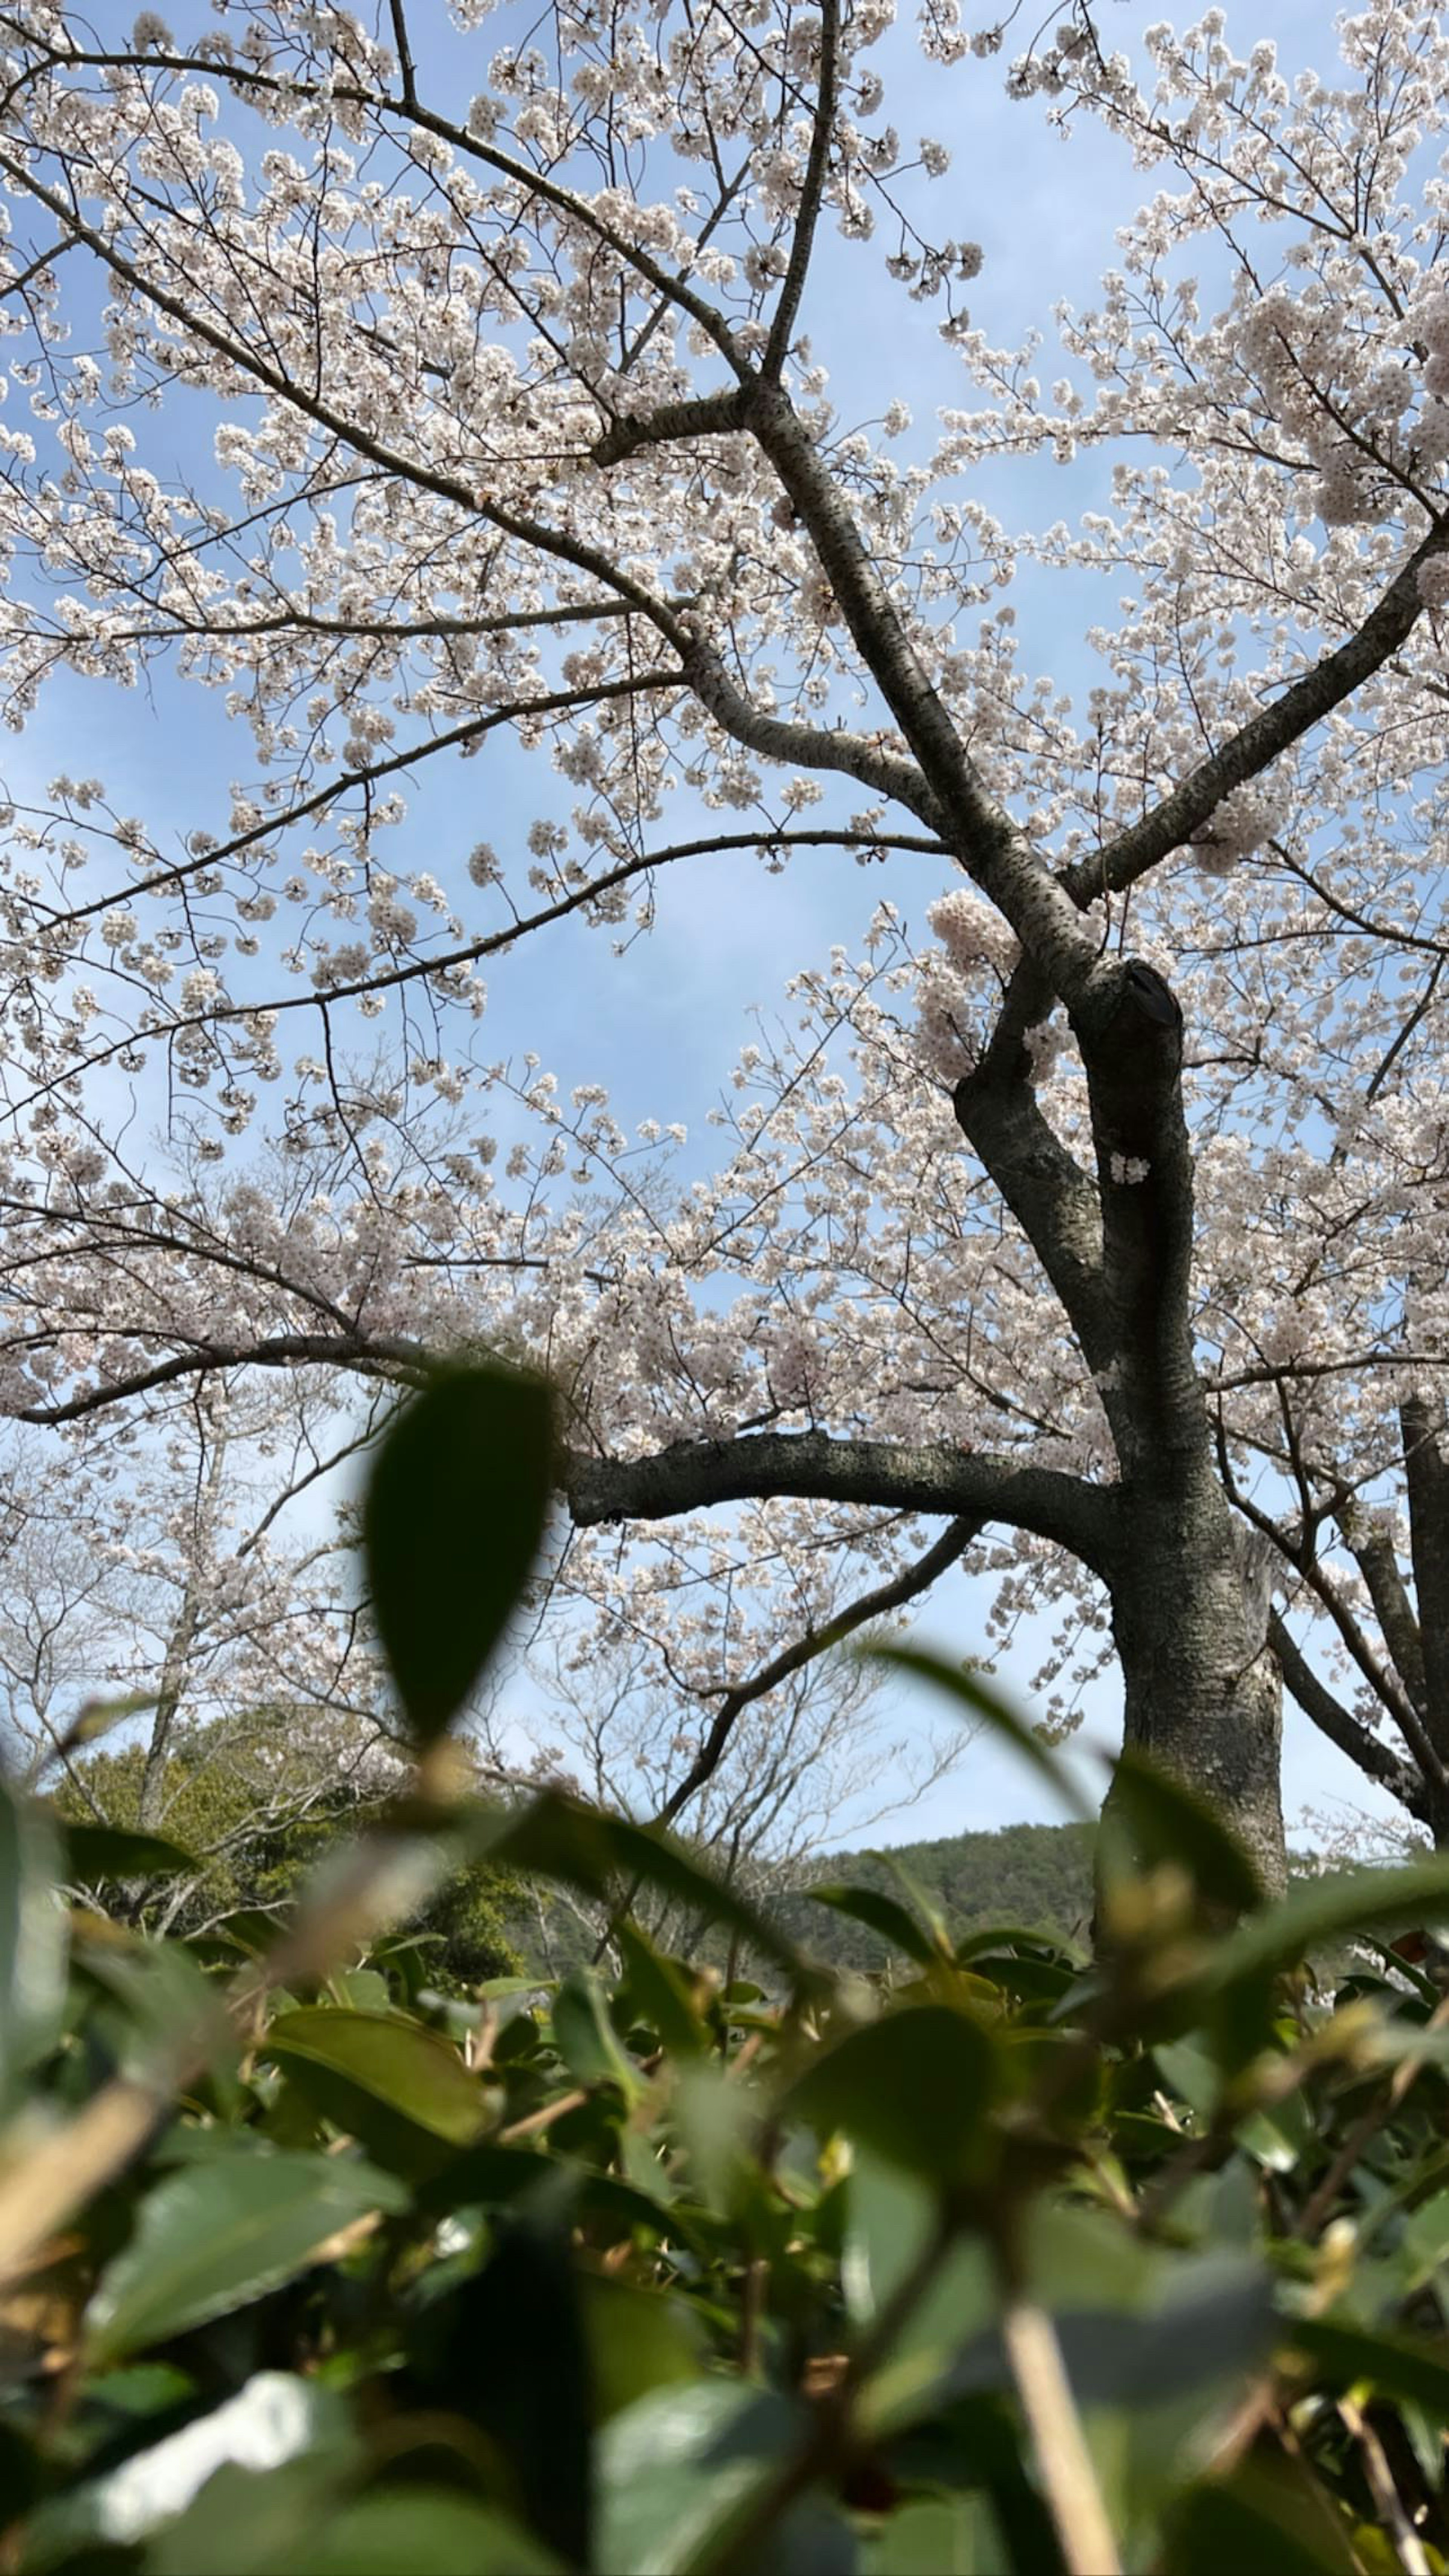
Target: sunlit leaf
585	2037
401	2089
215	2236
96	1852
914	2086
883	1914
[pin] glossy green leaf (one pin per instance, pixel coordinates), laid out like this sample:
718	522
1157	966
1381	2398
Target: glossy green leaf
679	2471
890	2222
1215	2318
1425	2246
401	2089
32	1938
882	1914
638	2339
915	2087
975	1698
454	1515
215	2236
97	1852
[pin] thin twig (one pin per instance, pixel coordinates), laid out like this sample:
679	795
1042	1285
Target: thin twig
1387	2499
816	1641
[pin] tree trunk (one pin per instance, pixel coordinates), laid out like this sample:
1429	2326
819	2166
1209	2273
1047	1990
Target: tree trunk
1425	1429
1203	1693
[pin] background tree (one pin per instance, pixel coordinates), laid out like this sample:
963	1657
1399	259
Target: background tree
516	429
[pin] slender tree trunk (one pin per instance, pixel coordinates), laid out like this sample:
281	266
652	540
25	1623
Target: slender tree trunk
176	1663
1424	1425
175	1674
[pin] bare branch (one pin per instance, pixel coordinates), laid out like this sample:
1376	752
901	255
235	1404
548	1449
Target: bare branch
782	328
1376	1761
1265	737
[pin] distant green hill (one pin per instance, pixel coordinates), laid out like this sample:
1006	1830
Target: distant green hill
1037	1877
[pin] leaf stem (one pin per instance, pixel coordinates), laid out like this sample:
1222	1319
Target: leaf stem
1064	2463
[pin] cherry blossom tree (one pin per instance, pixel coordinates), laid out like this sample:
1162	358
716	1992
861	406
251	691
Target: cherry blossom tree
428	396
163	1584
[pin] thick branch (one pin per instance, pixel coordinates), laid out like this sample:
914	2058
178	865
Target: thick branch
1265	736
903	1587
279	1350
1130	1035
707	416
1053	1200
804	746
1377	1761
1388	1592
692	1475
1024	890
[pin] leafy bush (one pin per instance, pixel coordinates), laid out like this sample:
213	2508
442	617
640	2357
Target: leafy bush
1026	2261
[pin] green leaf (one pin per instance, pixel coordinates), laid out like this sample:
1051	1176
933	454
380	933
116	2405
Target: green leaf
1263	2521
32	1939
454	1515
216	2236
679	2471
1151	1817
1397	2365
884	1915
400	2088
915	2087
661	1993
637	2339
950	2536
974	1695
1425	2245
586	2039
1215	2318
97	1852
417	2527
890	2220
1317	1911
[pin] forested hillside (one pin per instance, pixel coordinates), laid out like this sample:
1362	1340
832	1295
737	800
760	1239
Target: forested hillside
1038	1877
